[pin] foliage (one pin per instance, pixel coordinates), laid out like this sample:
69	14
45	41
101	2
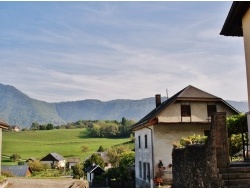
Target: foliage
127	160
100	149
38	166
115	153
7	173
236	143
84	148
36	126
193	139
237	124
77	171
124	168
15	157
94	159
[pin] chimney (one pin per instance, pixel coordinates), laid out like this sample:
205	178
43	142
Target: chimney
157	100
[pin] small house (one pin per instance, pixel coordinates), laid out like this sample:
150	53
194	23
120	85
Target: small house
55	160
72	162
92	171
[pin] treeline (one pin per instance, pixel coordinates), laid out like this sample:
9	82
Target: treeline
96	128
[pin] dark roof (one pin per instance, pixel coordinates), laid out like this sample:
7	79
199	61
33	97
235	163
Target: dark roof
53	157
73	160
20	170
233	23
96	169
189	93
3	124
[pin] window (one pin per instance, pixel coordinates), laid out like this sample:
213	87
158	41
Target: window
139	141
211	109
148	171
185	110
146	141
140	169
145	171
207	132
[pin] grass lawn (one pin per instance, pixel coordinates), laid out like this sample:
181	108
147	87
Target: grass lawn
66	142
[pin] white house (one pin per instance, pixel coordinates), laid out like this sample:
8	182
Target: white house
237	24
186	113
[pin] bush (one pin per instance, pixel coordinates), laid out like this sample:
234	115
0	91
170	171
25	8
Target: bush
194	139
38	166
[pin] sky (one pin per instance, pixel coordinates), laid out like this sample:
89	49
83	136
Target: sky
68	51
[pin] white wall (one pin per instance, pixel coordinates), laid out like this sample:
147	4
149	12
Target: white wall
143	154
246	34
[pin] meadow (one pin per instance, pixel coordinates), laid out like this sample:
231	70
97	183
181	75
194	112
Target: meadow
66	142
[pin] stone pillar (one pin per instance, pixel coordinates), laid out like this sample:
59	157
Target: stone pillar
219	129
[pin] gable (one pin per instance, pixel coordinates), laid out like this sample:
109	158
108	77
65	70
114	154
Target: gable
52	157
195	93
188	94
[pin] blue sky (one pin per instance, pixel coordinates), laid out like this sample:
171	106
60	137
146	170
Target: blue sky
67	51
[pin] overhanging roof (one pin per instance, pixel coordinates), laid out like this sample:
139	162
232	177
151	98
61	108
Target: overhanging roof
3	124
189	93
233	23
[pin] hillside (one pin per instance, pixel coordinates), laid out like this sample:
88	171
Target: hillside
19	109
39	143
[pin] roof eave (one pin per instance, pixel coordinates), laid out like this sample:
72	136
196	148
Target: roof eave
233	22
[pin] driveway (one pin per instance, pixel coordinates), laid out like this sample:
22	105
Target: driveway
45	183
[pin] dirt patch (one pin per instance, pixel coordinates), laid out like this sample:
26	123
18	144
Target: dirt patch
45	183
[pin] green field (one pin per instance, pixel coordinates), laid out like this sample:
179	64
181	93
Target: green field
66	142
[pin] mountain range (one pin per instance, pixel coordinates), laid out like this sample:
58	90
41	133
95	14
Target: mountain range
17	108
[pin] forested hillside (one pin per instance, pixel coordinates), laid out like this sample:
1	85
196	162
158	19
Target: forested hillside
19	109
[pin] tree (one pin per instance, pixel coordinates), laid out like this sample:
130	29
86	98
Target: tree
15	157
50	126
100	149
115	153
237	129
127	160
94	159
237	124
77	171
34	126
84	148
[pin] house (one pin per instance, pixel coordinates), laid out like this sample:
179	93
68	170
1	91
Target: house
92	171
54	159
3	125
18	171
186	113
72	162
14	128
237	24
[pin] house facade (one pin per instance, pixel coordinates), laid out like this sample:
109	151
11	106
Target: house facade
54	160
186	113
237	24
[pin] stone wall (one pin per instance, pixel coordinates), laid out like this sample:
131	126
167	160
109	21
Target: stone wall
197	165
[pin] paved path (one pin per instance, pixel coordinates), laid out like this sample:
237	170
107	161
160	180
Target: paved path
44	183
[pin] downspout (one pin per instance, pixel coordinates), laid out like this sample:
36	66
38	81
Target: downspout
152	146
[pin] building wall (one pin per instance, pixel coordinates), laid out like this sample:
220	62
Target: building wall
246	34
1	137
166	134
143	156
198	112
